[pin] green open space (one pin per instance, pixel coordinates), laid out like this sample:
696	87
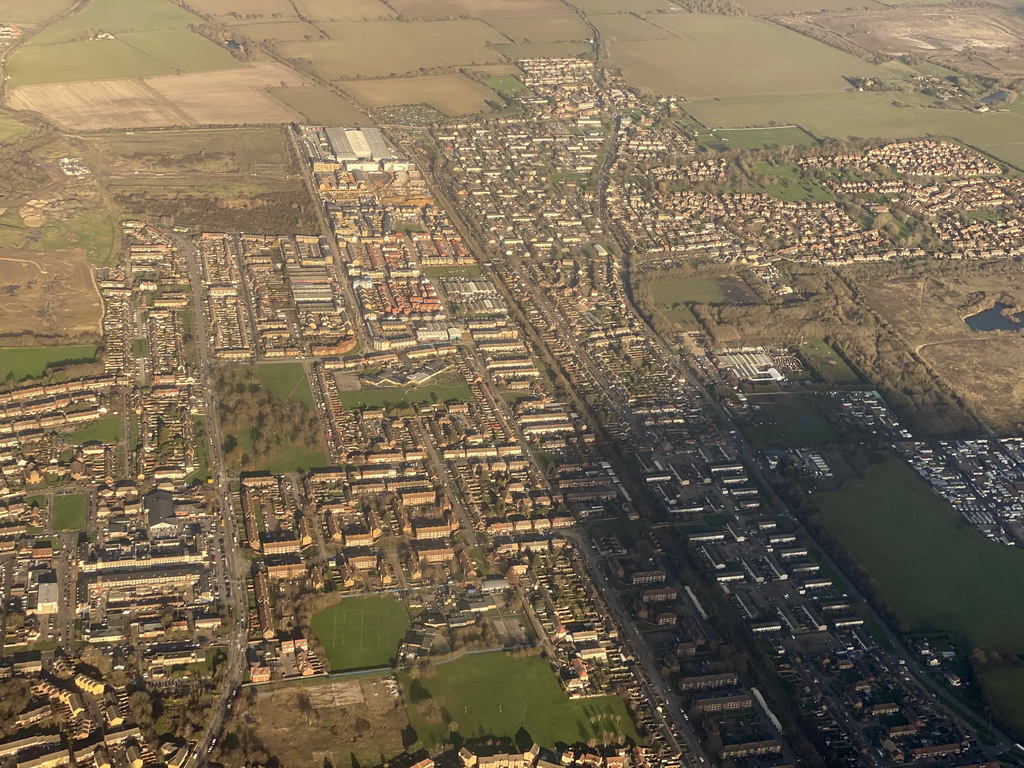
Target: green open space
22	363
827	363
384	397
787	183
69	511
506	83
115	16
12	129
789	420
493	695
1003	684
286	380
758	138
363	632
701	290
104	430
455	270
936	570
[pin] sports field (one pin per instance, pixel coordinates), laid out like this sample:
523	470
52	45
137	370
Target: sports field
69	511
286	380
701	290
714	57
361	632
829	365
31	362
491	694
939	574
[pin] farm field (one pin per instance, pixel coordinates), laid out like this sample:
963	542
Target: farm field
758	138
350	10
732	56
361	632
787	421
702	290
69	511
286	380
484	9
30	13
384	48
544	50
869	115
829	365
936	571
115	16
229	97
541	29
320	106
531	700
256	8
450	94
328	722
22	363
278	30
621	6
768	7
1003	684
625	27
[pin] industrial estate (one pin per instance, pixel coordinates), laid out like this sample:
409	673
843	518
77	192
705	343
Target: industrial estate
505	397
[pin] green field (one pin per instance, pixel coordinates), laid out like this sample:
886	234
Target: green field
937	571
383	397
361	632
787	183
288	381
11	129
1004	691
69	511
507	83
22	363
829	365
493	695
870	115
117	16
567	28
463	270
757	138
625	27
104	430
701	290
712	57
788	421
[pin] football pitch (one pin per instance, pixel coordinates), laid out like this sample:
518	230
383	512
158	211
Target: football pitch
361	632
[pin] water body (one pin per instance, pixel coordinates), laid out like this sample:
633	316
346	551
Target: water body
993	319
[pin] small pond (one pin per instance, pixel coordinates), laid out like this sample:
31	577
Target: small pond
993	319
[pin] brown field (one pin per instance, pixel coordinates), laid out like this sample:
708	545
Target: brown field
451	9
329	723
320	106
51	293
625	6
451	94
240	9
229	97
985	368
349	10
542	29
985	41
544	50
385	48
278	30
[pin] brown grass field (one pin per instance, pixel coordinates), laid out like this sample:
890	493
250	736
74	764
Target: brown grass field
621	6
349	10
451	94
229	97
985	368
625	27
232	97
329	723
542	29
768	7
51	293
486	9
320	106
